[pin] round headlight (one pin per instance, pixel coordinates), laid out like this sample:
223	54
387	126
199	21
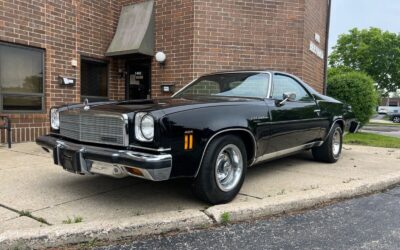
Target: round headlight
54	118
147	127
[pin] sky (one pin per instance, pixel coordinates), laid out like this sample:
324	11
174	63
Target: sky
348	14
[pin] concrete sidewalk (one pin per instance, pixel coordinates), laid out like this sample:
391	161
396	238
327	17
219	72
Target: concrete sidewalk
46	195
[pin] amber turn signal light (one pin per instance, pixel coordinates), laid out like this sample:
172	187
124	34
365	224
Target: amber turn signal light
188	142
135	171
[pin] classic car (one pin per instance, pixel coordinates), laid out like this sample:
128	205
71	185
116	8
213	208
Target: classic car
211	131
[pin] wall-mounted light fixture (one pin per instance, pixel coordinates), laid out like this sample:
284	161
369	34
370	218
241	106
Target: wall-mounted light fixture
167	88
161	57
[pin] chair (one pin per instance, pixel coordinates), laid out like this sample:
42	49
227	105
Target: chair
5	123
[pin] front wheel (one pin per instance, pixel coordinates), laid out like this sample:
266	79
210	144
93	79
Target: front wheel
331	150
222	171
396	119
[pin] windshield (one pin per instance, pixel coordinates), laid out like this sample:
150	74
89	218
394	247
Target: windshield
229	84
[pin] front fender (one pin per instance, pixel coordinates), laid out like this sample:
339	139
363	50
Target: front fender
204	125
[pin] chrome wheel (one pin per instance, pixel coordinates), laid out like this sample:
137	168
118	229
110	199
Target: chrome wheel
228	167
336	142
396	119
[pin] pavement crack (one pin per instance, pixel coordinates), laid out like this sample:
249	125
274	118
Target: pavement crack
252	196
214	221
26	214
85	197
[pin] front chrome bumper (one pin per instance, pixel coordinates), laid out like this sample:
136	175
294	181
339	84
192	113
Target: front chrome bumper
85	159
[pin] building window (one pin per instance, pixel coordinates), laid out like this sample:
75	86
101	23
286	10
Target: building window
94	80
21	78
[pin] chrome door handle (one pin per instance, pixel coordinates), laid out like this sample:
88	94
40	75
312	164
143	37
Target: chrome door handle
317	111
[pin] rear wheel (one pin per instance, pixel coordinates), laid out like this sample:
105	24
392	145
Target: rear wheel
222	171
396	119
331	150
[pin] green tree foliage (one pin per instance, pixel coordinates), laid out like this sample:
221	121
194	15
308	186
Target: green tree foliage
372	51
356	89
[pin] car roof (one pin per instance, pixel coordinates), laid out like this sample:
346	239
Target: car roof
272	72
238	71
250	71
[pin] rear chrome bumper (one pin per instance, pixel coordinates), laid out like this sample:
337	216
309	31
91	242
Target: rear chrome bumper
85	159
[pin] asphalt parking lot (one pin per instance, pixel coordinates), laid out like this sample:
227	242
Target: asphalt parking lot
45	194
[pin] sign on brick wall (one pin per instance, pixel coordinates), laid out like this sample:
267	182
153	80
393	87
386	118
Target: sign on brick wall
316	50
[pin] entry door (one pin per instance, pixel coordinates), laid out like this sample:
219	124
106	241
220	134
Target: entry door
296	122
138	80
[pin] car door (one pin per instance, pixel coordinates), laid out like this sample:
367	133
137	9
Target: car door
294	123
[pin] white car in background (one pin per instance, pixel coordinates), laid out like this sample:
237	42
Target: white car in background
388	109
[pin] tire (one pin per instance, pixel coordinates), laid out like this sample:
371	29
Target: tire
331	150
210	184
396	119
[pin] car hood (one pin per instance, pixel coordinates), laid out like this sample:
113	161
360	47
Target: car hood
166	105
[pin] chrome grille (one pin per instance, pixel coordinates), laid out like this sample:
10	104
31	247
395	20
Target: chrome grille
87	126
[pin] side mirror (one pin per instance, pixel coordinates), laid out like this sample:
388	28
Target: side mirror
287	96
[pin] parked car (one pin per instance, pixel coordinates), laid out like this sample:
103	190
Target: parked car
394	116
383	110
211	131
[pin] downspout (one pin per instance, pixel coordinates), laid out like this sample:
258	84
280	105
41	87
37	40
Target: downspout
328	21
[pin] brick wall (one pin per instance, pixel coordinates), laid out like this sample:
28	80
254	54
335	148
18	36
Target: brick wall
198	36
314	22
174	20
65	29
256	34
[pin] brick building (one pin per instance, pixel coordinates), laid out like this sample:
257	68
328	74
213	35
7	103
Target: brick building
104	49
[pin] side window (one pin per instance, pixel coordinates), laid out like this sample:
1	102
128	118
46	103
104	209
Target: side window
284	84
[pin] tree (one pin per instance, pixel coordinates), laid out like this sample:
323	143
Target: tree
356	89
372	51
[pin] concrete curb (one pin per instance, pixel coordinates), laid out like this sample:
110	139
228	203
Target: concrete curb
285	203
189	219
55	236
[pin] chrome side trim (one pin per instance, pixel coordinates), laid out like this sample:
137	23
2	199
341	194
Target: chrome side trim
287	151
296	121
223	131
151	149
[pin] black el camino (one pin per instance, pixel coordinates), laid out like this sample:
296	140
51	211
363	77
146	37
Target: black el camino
211	131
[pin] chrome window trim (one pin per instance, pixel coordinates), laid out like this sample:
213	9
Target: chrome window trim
184	87
299	81
270	85
223	131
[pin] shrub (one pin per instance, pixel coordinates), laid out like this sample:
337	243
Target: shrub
356	89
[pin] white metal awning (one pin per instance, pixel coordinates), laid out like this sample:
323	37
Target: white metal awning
135	31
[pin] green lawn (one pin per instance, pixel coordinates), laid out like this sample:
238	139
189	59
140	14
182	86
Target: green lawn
373	140
392	124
